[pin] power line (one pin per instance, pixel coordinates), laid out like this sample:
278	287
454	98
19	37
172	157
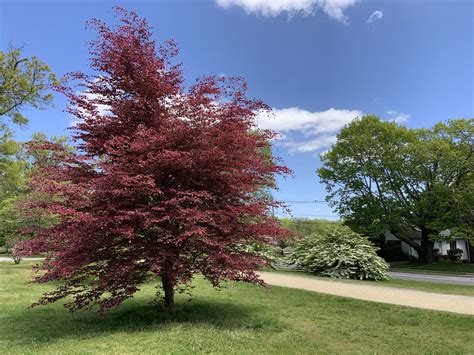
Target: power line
304	201
314	215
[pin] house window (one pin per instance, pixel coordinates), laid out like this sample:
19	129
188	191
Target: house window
452	245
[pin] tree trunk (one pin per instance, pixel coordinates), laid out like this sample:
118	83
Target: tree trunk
426	246
421	250
168	287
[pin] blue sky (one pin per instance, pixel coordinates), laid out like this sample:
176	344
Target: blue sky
318	63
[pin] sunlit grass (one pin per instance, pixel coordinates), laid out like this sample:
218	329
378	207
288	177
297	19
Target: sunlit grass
442	267
238	319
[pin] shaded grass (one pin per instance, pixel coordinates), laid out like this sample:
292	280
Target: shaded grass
443	267
238	319
436	287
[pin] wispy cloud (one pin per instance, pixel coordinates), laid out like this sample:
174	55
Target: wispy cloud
398	117
307	122
316	130
376	15
313	145
271	8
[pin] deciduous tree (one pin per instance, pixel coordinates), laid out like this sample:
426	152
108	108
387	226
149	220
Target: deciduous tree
382	176
164	182
23	82
16	167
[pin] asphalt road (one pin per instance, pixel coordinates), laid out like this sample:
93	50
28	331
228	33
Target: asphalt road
458	280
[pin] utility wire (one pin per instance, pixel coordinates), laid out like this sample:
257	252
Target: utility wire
304	201
314	215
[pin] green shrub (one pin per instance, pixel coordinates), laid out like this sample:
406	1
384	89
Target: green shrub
268	252
339	252
454	254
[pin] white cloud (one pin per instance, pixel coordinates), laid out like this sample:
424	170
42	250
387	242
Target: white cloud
102	110
376	15
398	117
318	129
310	123
271	8
318	143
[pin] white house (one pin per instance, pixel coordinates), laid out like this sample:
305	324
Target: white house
442	245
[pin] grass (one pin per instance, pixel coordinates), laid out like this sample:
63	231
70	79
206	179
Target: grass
238	319
442	267
4	254
435	287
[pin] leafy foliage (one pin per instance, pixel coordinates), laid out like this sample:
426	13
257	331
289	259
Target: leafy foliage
12	179
165	181
263	250
11	166
382	176
339	252
17	164
302	227
23	82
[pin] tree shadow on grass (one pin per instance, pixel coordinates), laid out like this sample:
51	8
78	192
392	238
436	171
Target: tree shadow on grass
48	324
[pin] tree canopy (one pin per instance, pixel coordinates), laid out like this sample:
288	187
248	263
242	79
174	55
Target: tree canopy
382	176
16	167
11	181
305	226
23	82
164	181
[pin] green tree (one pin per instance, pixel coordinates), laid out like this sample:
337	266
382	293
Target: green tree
305	226
12	169
10	165
382	176
23	82
16	164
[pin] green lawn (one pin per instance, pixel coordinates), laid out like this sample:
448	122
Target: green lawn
442	267
436	287
430	287
238	319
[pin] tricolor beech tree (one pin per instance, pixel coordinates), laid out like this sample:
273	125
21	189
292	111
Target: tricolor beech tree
164	182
